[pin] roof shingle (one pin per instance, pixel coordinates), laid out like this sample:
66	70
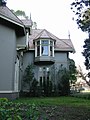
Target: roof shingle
6	13
60	44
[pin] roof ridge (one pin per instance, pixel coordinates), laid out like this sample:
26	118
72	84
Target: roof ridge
67	43
48	33
54	36
39	33
61	39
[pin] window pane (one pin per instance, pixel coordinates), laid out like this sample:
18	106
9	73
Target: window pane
38	50
38	42
44	50
51	42
50	50
44	42
40	69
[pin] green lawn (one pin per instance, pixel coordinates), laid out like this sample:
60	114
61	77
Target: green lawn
68	101
46	108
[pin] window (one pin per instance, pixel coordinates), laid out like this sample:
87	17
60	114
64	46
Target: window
44	48
40	69
44	74
51	48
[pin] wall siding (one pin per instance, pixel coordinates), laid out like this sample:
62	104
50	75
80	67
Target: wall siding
7	58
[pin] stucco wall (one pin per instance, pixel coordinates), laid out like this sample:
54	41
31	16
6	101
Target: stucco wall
21	40
7	58
60	59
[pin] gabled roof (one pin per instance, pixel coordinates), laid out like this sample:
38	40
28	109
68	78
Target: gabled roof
60	44
45	34
27	22
8	15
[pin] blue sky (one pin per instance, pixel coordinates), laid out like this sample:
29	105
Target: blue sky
56	17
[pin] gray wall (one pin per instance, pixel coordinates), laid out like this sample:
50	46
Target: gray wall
21	40
60	58
7	58
28	58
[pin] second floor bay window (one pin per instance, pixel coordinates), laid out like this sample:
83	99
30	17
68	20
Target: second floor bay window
44	47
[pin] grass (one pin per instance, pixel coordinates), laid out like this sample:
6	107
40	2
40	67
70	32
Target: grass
57	108
47	101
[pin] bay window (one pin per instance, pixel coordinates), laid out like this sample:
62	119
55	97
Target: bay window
44	47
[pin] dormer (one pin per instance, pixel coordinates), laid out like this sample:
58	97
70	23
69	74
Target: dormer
44	47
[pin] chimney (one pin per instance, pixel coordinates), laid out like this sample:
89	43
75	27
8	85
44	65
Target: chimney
2	3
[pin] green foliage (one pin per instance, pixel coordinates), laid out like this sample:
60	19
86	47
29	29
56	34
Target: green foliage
81	8
19	111
63	81
72	71
3	100
20	13
82	95
9	111
28	76
86	53
82	11
55	85
34	87
47	101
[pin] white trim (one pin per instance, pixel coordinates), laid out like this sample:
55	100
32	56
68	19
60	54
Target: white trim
35	49
8	91
40	48
49	48
53	49
27	35
64	50
20	47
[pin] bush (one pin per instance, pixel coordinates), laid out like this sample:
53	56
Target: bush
18	111
82	95
3	100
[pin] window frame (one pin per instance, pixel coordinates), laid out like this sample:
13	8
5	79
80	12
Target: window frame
39	44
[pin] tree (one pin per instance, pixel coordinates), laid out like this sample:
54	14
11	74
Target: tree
28	76
20	13
81	8
82	12
65	77
84	76
72	71
3	1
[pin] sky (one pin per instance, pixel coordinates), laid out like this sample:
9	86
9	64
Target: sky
56	17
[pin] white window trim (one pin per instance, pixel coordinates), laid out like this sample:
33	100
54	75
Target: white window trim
41	48
35	49
53	49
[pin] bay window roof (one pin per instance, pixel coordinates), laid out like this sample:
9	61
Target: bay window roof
60	44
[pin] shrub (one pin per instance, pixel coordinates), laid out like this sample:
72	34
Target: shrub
18	111
3	100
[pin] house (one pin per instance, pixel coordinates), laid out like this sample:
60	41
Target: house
47	52
12	36
21	45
